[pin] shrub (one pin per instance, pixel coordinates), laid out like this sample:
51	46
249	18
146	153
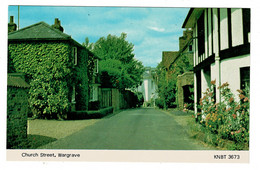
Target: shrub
94	105
228	119
159	103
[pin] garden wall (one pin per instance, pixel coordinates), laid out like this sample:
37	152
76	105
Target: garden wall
17	109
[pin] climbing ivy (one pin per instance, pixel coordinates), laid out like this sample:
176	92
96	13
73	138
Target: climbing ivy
49	68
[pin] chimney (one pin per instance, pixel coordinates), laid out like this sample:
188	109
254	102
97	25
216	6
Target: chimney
12	26
187	35
57	25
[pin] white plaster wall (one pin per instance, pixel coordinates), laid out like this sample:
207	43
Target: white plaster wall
195	45
209	32
230	71
223	29
206	32
195	93
205	81
237	26
215	31
146	90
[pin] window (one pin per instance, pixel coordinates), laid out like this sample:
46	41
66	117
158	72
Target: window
246	24
244	77
75	55
96	66
190	48
201	35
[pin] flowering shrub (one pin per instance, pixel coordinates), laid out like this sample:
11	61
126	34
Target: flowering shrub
229	119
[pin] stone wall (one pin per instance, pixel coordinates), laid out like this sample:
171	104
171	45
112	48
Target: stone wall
17	109
183	80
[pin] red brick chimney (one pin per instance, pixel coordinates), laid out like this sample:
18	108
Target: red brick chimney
12	26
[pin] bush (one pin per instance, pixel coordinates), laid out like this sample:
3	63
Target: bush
228	119
159	103
94	105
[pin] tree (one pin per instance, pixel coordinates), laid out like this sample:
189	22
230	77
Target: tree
166	88
167	81
118	67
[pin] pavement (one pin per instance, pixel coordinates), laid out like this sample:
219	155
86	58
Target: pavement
133	129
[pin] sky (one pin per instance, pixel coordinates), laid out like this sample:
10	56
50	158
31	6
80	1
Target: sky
151	30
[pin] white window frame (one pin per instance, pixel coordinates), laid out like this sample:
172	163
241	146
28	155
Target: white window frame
75	55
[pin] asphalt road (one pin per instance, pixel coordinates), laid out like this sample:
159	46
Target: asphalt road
134	129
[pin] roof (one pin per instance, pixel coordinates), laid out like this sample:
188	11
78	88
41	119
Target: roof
41	31
191	18
15	81
38	31
168	57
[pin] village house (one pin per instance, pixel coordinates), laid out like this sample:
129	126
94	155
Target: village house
180	63
43	46
148	87
221	45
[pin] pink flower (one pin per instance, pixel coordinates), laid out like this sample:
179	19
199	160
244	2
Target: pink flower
241	96
213	82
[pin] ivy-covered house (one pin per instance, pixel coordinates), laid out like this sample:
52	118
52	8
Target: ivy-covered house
56	67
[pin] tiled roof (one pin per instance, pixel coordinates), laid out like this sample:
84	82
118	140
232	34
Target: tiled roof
38	31
168	57
17	82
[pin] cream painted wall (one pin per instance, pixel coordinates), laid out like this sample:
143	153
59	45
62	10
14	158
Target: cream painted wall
223	29
209	33
230	71
237	26
146	98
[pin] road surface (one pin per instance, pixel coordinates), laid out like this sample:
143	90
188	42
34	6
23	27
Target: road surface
133	129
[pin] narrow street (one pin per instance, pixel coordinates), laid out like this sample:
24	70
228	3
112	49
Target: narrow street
140	129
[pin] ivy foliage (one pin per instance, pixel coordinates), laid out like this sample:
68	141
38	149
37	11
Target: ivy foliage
49	69
117	66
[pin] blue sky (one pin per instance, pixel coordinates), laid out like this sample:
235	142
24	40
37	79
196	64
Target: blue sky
151	30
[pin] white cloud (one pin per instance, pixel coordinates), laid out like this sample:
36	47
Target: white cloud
157	29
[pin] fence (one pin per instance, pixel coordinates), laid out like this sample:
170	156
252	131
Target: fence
117	99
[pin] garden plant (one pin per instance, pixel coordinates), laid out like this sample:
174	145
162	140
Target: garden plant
227	120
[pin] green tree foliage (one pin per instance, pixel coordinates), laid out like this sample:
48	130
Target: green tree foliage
118	67
167	81
166	88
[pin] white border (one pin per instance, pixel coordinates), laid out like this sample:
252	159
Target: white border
255	57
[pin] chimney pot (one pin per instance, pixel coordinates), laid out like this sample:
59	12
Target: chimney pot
11	19
57	25
56	22
12	26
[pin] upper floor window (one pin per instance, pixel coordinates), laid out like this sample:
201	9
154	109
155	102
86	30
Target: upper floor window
75	55
201	35
96	66
190	48
246	24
